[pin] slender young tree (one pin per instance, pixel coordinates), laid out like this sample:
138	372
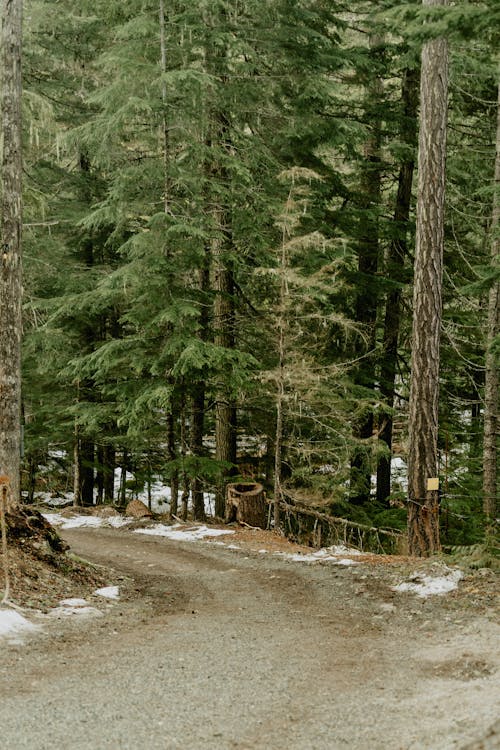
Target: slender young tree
397	253
11	259
423	509
490	452
368	260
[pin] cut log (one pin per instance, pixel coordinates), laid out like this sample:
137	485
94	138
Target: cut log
138	509
246	503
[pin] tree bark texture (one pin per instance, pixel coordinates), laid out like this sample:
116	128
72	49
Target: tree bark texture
398	251
490	442
423	507
198	397
11	252
223	323
246	503
86	472
109	461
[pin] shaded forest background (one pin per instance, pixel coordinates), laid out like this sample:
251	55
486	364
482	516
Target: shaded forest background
219	219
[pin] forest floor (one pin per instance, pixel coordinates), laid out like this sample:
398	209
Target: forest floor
248	644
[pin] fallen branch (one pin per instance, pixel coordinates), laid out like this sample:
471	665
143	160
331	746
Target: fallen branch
337	529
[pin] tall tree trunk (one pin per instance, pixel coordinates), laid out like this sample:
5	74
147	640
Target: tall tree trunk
172	454
123	478
76	467
398	250
282	330
99	478
11	251
223	323
183	447
87	472
109	460
423	507
198	397
367	294
171	447
490	444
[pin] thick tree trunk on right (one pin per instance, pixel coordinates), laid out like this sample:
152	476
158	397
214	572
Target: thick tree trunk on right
423	506
490	444
10	252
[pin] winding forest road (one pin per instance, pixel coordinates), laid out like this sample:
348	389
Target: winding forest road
215	649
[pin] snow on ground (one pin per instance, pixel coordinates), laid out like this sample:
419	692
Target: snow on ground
79	522
182	533
427	585
160	496
108	592
325	554
71	607
13	626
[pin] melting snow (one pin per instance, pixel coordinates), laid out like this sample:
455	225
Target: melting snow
426	585
13	625
79	522
68	607
326	554
316	557
109	592
73	602
183	534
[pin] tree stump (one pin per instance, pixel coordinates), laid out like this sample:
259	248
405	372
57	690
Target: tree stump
246	503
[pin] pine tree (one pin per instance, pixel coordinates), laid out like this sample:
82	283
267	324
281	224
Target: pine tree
423	509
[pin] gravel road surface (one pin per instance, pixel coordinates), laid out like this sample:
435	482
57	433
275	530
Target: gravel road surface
213	649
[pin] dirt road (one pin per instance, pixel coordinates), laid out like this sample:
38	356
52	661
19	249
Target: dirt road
214	649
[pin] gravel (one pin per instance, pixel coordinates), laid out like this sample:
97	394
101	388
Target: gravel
210	648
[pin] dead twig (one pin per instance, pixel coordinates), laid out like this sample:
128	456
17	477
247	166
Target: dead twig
4	490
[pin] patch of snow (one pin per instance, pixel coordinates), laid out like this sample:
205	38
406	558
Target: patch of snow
73	602
117	521
328	554
55	519
338	549
13	625
79	522
180	533
55	502
426	585
108	592
69	607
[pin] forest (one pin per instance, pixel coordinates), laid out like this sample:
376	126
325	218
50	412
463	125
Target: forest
225	215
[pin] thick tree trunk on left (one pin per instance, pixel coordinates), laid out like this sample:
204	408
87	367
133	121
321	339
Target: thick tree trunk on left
11	258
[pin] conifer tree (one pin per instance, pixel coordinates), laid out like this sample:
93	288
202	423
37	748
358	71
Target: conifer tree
423	508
